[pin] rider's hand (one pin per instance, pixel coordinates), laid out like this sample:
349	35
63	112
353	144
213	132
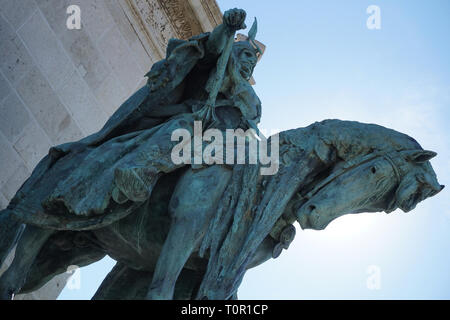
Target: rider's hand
234	19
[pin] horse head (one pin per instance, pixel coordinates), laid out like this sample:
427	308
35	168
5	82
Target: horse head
380	181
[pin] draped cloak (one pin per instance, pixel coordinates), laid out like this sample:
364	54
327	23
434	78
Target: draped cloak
252	204
73	187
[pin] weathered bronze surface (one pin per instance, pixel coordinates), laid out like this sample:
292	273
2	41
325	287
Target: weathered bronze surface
191	231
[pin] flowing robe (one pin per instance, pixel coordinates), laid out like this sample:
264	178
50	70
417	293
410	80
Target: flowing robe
75	187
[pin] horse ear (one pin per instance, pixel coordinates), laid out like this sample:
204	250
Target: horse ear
420	156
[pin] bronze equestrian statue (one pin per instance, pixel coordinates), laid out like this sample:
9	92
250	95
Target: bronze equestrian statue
190	230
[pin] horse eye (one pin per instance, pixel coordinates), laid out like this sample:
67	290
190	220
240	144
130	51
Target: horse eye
373	170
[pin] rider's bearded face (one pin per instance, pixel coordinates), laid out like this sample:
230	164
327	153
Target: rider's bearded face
247	60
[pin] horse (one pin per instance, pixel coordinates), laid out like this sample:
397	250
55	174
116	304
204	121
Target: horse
163	251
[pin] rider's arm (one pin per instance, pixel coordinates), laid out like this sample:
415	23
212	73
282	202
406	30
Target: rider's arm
232	20
217	40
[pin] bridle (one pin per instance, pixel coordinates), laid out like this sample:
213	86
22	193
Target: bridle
351	164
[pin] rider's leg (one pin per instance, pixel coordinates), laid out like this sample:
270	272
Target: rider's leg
192	207
28	247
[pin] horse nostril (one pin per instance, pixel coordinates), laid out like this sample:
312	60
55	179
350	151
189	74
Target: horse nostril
312	208
373	170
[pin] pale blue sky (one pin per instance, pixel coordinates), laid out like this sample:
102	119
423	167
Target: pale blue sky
322	62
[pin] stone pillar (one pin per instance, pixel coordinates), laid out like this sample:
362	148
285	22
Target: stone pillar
59	85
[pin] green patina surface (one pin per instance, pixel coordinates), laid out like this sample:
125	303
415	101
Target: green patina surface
191	232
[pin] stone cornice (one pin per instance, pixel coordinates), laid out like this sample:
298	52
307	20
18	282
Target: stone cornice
156	21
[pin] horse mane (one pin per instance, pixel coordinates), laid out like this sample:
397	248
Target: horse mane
348	138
